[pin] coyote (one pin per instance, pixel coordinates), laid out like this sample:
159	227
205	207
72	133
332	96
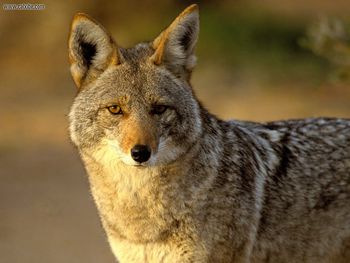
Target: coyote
174	183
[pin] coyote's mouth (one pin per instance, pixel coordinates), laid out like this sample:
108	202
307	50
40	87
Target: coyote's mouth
140	165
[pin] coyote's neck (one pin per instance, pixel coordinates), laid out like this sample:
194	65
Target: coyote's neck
138	203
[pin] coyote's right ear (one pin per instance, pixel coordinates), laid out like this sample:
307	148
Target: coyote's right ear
91	49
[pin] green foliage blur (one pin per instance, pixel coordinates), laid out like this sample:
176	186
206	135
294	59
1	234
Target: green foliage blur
258	41
330	38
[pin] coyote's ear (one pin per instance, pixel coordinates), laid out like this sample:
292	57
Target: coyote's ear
174	47
91	49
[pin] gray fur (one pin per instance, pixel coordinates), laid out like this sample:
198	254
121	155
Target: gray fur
213	191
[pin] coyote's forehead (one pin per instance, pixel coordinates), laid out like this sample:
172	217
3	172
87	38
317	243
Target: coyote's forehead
141	82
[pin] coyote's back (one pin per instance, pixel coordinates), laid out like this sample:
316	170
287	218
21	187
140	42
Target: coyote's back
173	183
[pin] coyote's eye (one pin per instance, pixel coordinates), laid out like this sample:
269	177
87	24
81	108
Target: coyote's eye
158	109
115	109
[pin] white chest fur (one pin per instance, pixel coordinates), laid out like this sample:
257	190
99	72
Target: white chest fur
134	202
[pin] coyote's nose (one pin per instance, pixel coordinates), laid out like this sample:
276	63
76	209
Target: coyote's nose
140	153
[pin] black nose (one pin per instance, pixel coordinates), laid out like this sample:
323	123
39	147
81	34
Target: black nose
140	153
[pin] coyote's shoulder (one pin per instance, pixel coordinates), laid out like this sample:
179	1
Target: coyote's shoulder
173	183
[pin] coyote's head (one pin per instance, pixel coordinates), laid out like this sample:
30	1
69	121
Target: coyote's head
135	105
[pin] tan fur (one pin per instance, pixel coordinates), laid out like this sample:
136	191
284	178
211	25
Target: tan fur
141	185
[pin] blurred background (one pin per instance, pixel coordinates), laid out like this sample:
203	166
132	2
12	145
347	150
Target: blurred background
258	60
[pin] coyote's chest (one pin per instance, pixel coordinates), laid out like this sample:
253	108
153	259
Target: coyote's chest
132	201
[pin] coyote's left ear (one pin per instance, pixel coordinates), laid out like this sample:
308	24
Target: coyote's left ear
91	49
174	47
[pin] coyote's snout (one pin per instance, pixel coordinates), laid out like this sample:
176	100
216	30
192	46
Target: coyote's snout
173	183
